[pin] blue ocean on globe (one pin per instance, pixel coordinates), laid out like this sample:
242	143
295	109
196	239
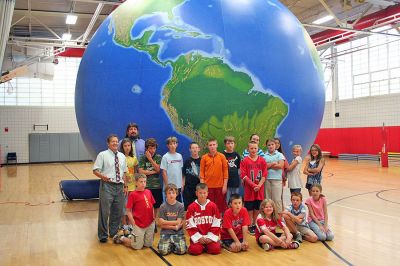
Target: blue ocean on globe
198	69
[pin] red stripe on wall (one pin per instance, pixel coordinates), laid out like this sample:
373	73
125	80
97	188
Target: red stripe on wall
359	140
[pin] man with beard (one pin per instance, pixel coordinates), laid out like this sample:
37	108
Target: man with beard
132	132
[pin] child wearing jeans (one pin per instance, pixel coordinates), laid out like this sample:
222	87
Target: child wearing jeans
295	218
318	214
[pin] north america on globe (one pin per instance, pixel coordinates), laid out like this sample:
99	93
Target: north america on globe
200	69
199	80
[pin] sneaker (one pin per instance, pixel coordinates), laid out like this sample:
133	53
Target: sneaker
127	232
252	230
103	240
132	237
117	239
294	245
298	237
267	247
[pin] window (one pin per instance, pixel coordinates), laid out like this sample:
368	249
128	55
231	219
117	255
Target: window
327	66
369	66
31	91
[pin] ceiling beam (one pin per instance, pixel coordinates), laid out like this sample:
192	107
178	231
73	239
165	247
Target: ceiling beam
351	30
105	2
39	13
91	23
338	22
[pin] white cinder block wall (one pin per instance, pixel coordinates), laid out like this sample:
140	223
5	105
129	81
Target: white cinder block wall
363	112
20	120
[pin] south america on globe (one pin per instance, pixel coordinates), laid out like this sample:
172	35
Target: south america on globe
198	70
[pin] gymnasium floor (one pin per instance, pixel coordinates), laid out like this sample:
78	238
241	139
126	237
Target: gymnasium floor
36	228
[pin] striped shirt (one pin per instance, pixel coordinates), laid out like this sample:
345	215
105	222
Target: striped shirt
246	153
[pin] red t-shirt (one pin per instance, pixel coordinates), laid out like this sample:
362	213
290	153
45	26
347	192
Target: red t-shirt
141	203
254	170
271	225
234	222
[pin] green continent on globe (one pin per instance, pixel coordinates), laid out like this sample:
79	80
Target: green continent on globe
125	18
313	52
206	98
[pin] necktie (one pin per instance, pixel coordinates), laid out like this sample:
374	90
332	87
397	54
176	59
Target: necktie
117	175
134	149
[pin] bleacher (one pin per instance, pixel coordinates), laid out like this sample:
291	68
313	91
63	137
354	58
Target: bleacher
359	157
393	157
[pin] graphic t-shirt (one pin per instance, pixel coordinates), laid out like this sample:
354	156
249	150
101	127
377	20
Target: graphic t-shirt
235	222
191	171
141	203
233	159
153	181
170	212
254	170
131	162
172	163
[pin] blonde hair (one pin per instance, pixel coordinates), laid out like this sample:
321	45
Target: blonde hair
229	139
138	176
274	215
171	140
297	146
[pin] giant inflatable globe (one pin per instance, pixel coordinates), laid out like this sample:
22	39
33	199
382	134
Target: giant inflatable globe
198	69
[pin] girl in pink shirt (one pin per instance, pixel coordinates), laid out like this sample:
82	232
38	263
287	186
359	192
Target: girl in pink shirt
318	214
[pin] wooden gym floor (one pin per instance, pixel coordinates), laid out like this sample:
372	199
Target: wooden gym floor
36	228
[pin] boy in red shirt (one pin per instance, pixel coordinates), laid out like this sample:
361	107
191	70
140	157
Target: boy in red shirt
214	173
235	225
140	212
253	173
203	223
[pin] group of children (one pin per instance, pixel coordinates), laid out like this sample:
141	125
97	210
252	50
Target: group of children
207	184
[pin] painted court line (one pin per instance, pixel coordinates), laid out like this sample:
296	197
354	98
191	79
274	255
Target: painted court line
368	212
337	254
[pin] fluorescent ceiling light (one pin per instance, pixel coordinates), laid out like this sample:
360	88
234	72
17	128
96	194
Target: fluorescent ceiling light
66	36
71	19
322	20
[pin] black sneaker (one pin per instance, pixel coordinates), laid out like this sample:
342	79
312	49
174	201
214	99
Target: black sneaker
299	238
103	240
252	230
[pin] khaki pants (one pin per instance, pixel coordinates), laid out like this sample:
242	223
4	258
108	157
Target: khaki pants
143	236
273	190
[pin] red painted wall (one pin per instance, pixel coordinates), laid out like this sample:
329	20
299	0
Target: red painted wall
359	140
